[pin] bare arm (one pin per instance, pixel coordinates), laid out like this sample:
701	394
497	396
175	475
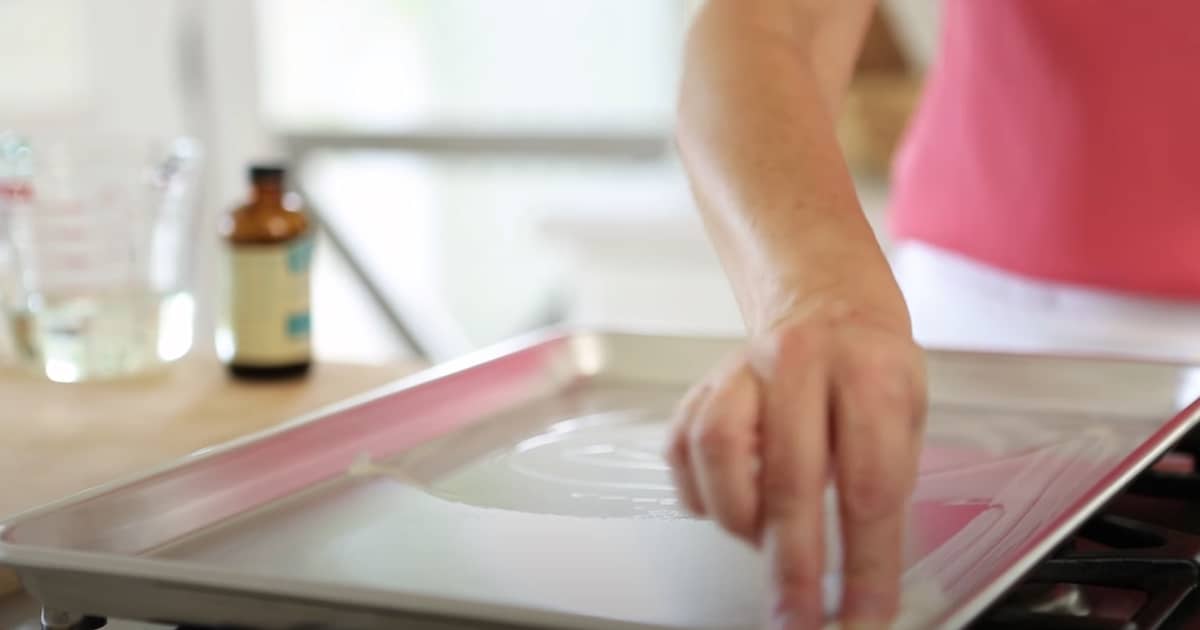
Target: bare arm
830	386
763	82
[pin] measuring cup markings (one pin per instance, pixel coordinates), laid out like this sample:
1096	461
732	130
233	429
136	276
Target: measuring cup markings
99	239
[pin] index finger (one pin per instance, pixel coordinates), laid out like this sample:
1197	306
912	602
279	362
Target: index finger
794	474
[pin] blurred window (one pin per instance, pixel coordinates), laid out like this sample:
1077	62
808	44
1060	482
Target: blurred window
433	136
471	65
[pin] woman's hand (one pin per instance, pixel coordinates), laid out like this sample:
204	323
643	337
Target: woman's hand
828	389
825	397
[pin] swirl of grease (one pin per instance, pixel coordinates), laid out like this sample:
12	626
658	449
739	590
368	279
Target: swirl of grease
604	465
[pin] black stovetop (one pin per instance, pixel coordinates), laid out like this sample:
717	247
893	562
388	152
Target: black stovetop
1133	566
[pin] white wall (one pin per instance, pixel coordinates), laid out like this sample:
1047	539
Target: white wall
150	67
42	59
83	64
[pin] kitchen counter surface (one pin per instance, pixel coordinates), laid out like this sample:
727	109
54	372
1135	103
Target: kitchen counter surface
60	439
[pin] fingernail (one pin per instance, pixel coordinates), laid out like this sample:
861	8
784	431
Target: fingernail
862	625
793	618
866	610
784	615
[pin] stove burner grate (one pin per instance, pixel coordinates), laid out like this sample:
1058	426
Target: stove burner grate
1131	567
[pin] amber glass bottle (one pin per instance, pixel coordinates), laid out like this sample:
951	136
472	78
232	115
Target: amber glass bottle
265	325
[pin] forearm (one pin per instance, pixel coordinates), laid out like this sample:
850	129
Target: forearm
756	134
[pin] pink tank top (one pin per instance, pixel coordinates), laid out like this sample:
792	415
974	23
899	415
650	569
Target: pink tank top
1060	140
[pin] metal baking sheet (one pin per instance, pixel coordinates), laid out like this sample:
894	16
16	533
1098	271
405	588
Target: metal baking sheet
523	487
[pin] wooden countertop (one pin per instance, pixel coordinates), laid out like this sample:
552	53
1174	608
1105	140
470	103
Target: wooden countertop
58	439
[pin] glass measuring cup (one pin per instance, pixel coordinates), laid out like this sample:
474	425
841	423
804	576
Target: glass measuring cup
99	237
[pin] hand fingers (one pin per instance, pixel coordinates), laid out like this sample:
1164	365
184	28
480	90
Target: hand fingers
678	455
794	473
723	442
876	433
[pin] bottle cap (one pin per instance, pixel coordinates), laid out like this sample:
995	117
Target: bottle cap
267	172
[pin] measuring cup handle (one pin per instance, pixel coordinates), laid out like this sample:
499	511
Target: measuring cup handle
9	192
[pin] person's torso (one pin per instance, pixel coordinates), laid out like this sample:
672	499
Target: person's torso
1061	140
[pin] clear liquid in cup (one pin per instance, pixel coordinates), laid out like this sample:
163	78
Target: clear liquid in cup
100	236
94	336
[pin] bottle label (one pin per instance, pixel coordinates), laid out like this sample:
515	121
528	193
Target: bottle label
268	319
